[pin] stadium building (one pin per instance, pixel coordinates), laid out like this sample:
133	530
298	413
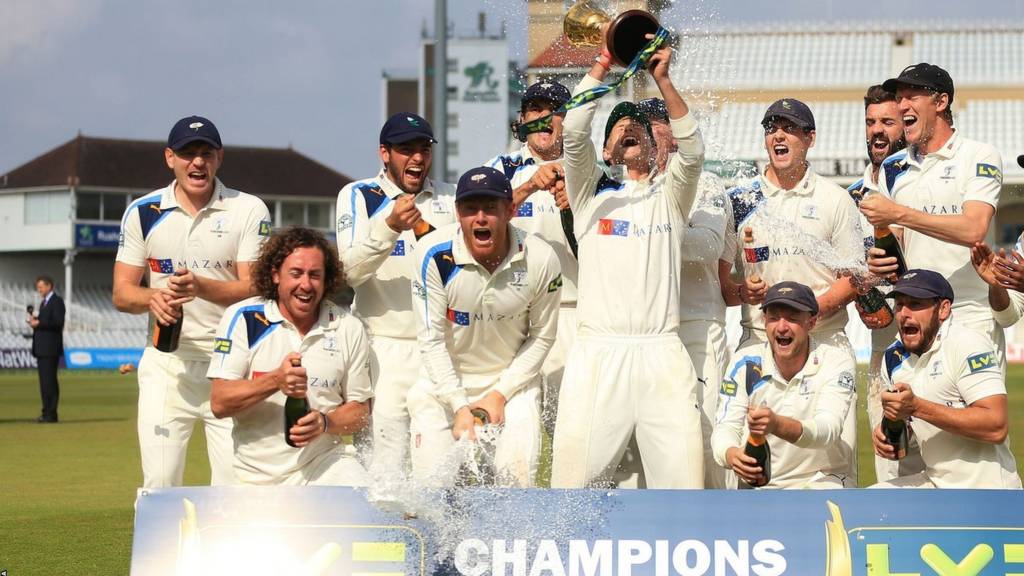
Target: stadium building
61	214
730	75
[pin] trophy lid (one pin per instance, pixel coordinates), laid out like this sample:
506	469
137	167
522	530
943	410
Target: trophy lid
626	34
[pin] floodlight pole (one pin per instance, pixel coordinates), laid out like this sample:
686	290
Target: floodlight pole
440	112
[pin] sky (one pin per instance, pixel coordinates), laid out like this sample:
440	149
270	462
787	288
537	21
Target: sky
305	74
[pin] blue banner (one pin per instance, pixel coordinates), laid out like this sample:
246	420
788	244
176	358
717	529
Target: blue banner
100	358
339	531
97	235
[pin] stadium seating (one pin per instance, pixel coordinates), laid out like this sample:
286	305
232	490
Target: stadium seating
974	57
93	322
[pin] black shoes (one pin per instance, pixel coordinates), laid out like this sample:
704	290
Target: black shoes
45	420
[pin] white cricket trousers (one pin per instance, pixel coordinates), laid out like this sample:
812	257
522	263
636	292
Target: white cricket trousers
615	386
174	394
554	365
394	368
435	459
336	467
706	343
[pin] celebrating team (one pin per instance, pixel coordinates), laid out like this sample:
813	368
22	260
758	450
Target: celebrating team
542	295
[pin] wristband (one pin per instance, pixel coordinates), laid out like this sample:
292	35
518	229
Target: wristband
325	422
604	60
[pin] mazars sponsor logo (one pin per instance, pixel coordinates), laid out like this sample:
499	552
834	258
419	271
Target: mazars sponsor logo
474	557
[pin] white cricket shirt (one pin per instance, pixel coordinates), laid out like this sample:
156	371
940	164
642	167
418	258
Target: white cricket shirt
962	170
709	236
800	235
630	233
252	339
819	396
960	368
496	328
158	234
377	261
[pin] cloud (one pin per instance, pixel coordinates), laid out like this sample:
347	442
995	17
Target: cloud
37	27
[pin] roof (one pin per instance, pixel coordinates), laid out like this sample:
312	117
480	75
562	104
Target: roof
139	164
561	53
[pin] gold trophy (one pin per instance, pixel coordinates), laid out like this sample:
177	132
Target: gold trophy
626	35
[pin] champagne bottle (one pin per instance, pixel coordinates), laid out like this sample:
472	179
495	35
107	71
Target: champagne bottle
897	434
294	408
886	240
873	305
748	248
165	338
757	448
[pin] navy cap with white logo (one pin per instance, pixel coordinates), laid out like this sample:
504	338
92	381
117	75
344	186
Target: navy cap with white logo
406	126
791	109
925	284
483	181
792	295
654	109
553	92
923	75
191	129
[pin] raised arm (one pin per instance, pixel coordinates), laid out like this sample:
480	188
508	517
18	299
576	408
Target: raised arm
579	156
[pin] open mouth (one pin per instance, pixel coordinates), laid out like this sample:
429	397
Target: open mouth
628	141
197	177
909	120
780	150
414	172
880	144
910	330
304	298
783	341
482	235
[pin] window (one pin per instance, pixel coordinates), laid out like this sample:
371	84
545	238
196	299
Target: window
47	207
1011	232
453	66
453	148
114	205
453	120
88	206
453	92
293	214
318	215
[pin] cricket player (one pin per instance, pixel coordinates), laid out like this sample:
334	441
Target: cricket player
947	384
292	342
803	227
487	301
628	371
883	127
380	220
193	243
795	392
1004	274
942	191
709	242
537	167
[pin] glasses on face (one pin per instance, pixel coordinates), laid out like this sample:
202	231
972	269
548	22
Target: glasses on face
787	127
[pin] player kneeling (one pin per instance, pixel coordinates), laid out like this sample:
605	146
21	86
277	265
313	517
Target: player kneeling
289	342
791	393
489	296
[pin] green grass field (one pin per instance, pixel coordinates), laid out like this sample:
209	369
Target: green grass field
67	490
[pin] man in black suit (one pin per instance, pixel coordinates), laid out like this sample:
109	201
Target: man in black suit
48	345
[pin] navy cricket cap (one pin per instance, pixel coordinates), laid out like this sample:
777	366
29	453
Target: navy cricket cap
553	92
626	110
791	109
923	284
654	109
923	75
405	126
791	295
483	181
191	129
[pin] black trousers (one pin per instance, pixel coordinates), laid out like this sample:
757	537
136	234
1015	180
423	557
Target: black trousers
49	389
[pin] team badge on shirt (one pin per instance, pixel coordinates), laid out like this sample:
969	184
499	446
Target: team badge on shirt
399	249
222	346
161	265
756	254
989	171
264	228
846	382
525	210
980	362
555	284
728	388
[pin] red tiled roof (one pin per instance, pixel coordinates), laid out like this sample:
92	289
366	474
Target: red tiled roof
563	54
139	164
